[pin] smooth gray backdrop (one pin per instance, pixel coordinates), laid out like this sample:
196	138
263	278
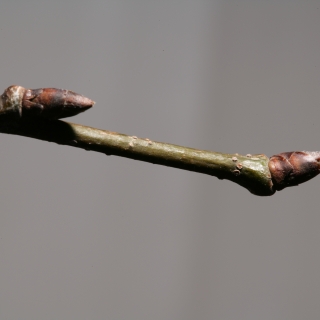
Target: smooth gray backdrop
85	236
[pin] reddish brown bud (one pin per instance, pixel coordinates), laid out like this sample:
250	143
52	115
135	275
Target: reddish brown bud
47	102
292	168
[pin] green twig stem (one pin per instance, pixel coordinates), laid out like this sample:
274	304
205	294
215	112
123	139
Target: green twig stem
250	171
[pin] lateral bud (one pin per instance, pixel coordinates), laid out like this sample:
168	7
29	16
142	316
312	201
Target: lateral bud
292	168
48	103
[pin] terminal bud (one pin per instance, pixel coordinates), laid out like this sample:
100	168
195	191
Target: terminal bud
47	103
292	168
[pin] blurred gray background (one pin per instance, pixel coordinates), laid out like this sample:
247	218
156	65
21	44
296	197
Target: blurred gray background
85	236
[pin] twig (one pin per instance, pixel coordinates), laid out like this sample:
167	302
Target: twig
257	173
250	172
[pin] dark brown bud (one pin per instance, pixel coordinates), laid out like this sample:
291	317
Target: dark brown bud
47	102
292	168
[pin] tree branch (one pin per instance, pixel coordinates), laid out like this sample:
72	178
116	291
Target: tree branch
251	172
33	113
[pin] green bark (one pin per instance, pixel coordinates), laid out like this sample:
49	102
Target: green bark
251	172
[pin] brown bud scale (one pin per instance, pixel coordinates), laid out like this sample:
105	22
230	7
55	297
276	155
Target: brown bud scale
48	103
292	168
